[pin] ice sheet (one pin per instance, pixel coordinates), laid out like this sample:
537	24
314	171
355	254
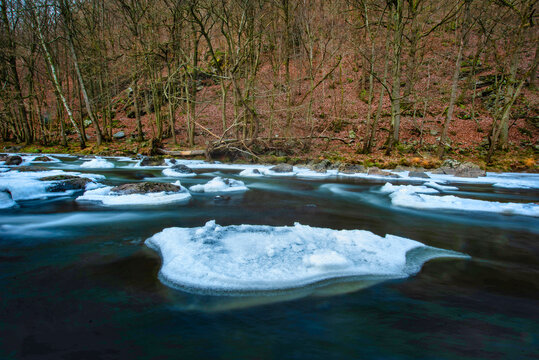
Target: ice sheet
253	257
220	185
27	186
105	196
417	197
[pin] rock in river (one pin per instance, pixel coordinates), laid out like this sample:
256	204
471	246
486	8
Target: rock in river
145	187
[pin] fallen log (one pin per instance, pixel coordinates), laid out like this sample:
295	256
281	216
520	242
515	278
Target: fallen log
182	153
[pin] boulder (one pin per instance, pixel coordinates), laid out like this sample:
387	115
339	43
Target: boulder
152	161
119	135
352	168
400	168
449	167
321	166
444	170
418	174
451	163
182	169
469	170
66	182
12	149
43	159
144	188
282	168
13	160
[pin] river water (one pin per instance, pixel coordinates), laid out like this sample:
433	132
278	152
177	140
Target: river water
78	282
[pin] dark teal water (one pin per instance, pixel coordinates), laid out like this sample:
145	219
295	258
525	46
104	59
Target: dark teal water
77	282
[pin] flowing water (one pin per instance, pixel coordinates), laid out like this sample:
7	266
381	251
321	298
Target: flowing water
78	282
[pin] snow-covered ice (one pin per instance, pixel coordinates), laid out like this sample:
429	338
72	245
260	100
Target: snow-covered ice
97	163
27	186
220	185
107	197
257	258
417	197
174	173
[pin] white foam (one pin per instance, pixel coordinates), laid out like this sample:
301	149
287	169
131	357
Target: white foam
6	201
416	197
105	196
220	185
250	257
97	163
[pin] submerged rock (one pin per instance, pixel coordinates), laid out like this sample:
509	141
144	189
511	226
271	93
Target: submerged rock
31	168
144	188
66	182
152	161
221	198
282	168
13	160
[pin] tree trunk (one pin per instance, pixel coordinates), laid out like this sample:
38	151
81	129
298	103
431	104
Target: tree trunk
56	81
454	89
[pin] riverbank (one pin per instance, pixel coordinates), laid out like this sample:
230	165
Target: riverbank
513	160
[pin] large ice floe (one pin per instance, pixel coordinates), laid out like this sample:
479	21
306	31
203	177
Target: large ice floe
118	196
220	185
97	163
251	258
419	197
31	185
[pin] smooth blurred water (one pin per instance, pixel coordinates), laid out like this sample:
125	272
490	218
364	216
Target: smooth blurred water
77	281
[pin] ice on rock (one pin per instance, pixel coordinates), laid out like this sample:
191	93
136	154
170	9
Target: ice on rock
220	185
107	197
243	258
97	163
179	171
417	197
252	172
27	186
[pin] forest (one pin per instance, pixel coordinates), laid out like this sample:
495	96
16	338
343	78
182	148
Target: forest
281	77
